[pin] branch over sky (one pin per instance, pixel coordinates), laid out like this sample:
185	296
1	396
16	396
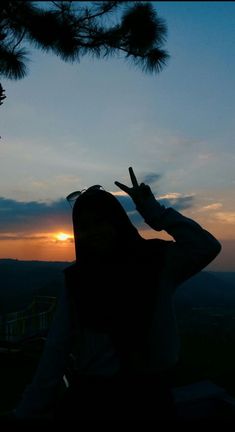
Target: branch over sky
73	29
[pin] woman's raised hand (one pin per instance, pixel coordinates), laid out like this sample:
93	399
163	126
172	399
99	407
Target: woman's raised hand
138	193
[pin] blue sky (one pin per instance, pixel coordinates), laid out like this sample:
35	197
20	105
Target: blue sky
67	126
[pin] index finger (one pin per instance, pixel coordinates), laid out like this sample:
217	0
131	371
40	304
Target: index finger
133	177
123	187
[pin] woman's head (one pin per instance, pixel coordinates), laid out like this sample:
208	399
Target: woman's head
100	223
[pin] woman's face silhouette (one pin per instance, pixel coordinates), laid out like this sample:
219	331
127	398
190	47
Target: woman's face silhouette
96	231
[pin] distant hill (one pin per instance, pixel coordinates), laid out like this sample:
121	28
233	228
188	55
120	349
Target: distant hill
207	289
21	280
226	276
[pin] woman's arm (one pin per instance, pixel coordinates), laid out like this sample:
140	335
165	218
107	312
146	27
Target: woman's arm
40	396
194	248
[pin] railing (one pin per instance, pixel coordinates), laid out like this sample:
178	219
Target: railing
34	320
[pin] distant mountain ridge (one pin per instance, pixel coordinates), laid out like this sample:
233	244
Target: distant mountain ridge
21	280
207	289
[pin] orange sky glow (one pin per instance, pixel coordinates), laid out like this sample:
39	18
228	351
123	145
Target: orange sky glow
59	246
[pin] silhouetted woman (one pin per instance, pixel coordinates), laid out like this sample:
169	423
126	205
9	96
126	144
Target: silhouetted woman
116	313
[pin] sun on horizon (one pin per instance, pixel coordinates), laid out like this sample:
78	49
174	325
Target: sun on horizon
61	236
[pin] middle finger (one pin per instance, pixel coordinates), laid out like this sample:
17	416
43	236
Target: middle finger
133	177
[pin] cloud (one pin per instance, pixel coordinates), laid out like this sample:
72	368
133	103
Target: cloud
228	217
213	206
17	216
169	196
62	179
206	156
177	201
151	178
24	218
26	237
174	199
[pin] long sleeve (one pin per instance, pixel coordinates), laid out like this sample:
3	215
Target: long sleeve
39	396
194	247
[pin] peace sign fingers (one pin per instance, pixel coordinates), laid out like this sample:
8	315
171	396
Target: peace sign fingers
127	189
140	194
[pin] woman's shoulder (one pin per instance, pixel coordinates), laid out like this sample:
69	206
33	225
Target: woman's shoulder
71	270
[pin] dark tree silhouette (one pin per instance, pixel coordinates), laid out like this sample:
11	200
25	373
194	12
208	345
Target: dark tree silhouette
72	29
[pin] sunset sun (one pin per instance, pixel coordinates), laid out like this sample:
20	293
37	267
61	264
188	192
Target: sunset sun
62	236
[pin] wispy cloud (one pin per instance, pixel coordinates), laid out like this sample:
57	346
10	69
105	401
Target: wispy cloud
213	206
207	156
171	196
20	236
177	200
151	178
63	179
228	217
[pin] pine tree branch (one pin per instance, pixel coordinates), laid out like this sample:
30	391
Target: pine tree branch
104	11
19	41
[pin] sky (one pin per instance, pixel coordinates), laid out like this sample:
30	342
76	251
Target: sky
67	126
